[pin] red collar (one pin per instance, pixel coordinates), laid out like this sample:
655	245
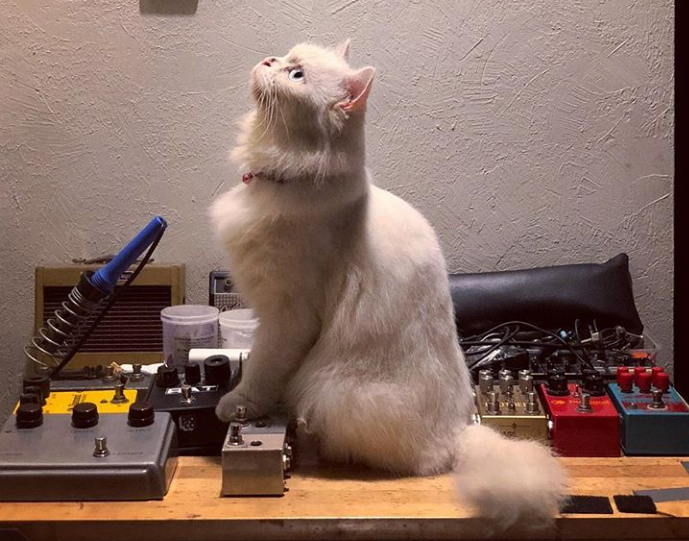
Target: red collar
248	177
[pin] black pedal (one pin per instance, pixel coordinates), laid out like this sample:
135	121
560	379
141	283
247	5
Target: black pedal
191	398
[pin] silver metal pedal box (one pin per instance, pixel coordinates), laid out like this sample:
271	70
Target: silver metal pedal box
257	455
86	456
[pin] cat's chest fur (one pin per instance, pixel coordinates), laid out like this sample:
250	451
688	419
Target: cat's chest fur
277	256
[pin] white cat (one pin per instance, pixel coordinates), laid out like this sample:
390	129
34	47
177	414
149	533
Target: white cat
356	330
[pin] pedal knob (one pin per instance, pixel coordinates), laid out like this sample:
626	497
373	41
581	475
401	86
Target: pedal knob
216	369
638	370
506	384
85	415
192	373
662	382
643	382
626	382
109	374
657	403
167	376
42	382
29	415
137	374
525	381
593	385
485	382
654	374
493	403
140	414
584	403
557	385
622	370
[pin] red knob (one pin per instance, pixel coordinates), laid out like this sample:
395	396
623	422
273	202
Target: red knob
662	382
626	382
621	370
643	382
654	374
638	370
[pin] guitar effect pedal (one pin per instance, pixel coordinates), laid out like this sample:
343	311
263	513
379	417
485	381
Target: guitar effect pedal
511	407
655	418
582	419
86	456
257	455
191	401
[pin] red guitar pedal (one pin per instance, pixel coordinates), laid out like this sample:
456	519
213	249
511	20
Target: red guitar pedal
583	420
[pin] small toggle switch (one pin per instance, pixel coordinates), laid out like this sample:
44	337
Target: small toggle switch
119	397
101	447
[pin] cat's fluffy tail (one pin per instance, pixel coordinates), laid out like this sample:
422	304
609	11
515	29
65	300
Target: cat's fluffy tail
508	482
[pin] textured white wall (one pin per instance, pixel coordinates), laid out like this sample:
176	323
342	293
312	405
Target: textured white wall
530	132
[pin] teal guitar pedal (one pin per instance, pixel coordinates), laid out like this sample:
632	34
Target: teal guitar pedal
655	418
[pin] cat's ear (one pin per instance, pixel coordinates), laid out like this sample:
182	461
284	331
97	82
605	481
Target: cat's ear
359	87
342	50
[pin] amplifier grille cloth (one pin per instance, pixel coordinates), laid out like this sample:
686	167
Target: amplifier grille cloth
132	324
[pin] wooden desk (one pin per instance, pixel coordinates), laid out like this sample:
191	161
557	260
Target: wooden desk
337	502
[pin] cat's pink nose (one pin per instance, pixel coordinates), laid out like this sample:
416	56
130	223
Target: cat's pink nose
268	61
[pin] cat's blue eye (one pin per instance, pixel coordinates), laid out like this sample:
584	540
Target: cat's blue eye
296	74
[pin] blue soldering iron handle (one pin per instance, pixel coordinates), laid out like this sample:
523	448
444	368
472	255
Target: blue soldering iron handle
106	277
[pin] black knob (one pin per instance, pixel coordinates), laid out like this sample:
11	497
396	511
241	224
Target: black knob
29	398
593	384
43	382
85	415
557	385
192	373
216	369
140	414
29	415
167	376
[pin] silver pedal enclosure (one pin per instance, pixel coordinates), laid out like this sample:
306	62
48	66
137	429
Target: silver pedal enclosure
109	461
257	456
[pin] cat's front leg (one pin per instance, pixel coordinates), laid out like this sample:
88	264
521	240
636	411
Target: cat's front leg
280	344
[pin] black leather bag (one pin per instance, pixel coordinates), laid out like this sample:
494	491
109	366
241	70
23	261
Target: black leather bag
549	297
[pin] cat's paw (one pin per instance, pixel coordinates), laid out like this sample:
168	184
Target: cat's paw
226	410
